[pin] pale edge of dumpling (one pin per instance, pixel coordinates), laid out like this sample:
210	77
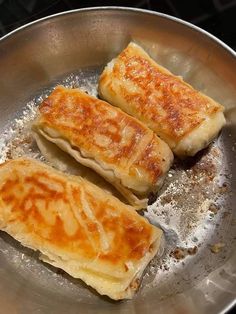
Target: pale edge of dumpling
62	161
114	287
201	136
119	288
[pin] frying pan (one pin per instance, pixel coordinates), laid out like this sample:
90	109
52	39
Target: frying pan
72	48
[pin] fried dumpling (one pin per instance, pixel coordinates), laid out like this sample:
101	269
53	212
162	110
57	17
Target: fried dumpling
76	226
102	137
184	118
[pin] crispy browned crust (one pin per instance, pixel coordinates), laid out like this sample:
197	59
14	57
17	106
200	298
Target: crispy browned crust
164	102
39	202
104	132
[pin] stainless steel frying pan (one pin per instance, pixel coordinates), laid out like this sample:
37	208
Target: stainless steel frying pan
72	48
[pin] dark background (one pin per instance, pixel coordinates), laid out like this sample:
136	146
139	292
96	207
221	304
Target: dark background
215	16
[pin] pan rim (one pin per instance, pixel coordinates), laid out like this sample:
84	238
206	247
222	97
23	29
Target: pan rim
129	9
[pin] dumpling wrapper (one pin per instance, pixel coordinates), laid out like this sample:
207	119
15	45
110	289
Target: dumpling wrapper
76	226
184	118
62	161
115	145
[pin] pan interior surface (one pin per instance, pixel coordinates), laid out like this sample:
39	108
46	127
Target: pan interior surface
194	207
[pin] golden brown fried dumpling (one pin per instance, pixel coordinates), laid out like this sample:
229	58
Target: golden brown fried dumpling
184	118
76	226
117	146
